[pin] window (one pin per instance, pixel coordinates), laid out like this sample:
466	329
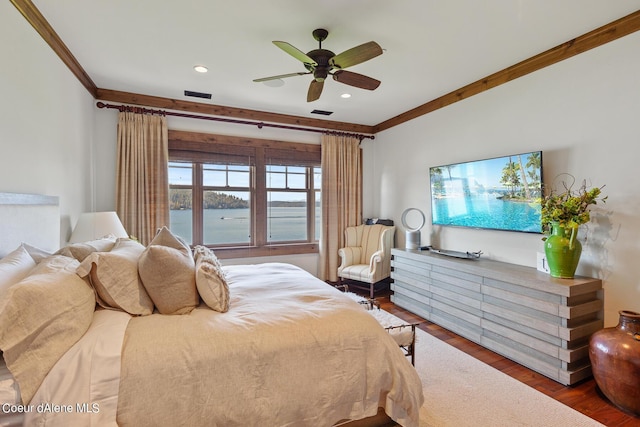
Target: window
293	208
224	193
226	204
244	197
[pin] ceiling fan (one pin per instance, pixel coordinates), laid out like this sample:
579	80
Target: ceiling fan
322	63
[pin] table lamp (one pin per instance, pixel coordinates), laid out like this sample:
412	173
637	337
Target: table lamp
95	225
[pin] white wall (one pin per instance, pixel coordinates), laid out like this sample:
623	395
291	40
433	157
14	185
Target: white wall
583	113
45	121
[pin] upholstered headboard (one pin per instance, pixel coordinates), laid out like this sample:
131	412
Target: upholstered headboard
29	218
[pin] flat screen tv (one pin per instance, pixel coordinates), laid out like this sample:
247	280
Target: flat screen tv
501	193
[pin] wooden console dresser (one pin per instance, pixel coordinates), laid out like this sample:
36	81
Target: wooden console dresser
534	319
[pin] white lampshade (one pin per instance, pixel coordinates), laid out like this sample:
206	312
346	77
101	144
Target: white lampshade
95	225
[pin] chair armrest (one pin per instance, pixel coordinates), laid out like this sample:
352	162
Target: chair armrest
386	239
350	256
375	260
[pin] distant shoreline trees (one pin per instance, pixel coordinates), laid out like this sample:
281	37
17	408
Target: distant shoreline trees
182	200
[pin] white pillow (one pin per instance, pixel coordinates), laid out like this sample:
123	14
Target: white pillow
14	267
210	279
36	253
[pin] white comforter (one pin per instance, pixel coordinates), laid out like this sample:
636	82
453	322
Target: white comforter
291	351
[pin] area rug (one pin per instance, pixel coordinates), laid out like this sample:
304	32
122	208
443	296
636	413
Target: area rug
460	390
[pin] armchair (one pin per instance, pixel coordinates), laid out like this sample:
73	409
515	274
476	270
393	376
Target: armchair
366	256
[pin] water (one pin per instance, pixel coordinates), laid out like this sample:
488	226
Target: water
233	226
487	212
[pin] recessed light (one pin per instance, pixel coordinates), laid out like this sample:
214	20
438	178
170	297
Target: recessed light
345	95
201	68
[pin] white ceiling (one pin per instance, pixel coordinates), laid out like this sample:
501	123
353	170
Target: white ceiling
432	47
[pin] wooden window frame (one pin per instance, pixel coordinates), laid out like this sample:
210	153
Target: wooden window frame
202	147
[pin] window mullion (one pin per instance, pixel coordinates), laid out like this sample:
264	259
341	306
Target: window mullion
311	204
197	204
260	197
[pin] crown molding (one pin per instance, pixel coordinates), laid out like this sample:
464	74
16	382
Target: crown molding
222	111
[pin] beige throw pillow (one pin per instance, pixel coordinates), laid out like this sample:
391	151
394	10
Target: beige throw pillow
210	279
167	270
82	250
45	314
114	276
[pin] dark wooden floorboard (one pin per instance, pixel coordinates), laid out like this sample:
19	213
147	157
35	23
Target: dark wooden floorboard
584	396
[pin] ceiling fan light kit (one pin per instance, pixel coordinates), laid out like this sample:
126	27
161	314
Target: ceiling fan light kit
274	83
322	63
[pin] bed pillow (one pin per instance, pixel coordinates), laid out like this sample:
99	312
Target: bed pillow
36	253
42	317
210	279
82	250
114	276
167	271
14	267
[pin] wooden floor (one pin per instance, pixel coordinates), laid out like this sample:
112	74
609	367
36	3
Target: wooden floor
583	397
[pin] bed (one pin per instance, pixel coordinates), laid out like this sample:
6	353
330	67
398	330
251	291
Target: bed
283	348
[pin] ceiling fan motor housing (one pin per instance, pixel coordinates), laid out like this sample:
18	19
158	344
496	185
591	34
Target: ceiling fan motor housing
321	57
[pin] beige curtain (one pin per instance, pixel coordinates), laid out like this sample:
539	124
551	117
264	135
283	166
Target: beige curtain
341	198
142	183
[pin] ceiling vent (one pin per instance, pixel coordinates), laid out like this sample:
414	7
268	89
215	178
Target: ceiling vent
322	112
197	94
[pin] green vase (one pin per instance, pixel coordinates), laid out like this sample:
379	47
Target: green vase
562	250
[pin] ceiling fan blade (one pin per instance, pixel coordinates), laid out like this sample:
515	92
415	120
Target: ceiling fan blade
295	52
281	76
315	89
356	55
355	79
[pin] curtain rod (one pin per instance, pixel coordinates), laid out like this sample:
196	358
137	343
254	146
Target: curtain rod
260	125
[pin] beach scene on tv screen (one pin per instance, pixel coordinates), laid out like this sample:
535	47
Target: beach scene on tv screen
502	193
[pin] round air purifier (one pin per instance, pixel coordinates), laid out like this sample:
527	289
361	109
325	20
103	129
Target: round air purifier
412	233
